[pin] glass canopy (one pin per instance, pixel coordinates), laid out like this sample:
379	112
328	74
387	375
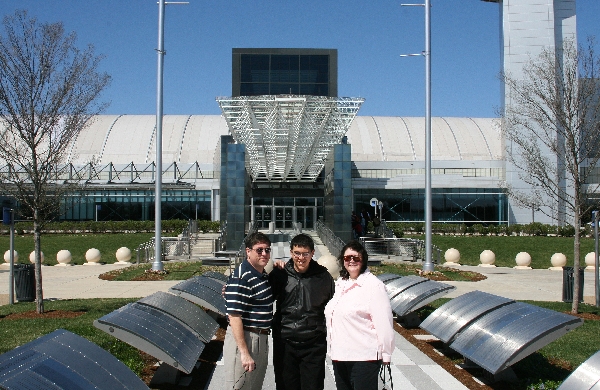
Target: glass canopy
288	137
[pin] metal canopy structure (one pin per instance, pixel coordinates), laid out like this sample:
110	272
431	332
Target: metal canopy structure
288	137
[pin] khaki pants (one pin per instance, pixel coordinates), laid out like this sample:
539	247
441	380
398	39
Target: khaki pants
235	378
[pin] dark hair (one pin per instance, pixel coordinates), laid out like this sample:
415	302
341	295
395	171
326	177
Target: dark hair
256	238
356	246
303	241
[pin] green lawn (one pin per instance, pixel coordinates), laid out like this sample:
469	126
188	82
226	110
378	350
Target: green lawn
15	332
77	244
506	248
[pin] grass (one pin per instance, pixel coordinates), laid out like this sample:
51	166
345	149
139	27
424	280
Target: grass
506	248
441	273
15	332
180	270
77	244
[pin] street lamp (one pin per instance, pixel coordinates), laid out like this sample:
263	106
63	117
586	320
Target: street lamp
428	265
157	265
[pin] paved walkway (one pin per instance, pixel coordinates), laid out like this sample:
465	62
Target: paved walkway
411	368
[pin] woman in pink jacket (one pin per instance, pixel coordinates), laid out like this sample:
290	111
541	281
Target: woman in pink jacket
360	331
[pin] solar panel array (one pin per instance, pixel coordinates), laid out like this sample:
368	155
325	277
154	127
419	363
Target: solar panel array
495	332
64	360
585	377
409	293
166	326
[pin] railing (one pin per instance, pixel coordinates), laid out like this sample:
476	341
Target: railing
180	246
331	241
406	248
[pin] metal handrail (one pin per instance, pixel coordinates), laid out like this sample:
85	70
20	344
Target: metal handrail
333	243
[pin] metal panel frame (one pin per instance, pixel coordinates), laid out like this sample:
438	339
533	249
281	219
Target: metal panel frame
453	316
163	335
202	291
586	376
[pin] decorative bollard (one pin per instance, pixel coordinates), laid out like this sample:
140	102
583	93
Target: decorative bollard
92	256
123	256
590	261
523	260
330	262
63	257
452	257
558	261
487	258
32	257
7	258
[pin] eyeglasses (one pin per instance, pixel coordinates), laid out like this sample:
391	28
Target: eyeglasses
261	250
301	254
350	258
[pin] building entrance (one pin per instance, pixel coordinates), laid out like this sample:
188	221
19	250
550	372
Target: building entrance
285	216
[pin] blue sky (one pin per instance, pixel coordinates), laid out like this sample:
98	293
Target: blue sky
369	36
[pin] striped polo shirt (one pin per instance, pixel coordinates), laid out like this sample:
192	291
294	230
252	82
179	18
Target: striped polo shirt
249	294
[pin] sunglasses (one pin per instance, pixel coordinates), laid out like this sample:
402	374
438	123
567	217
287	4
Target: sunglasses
350	258
261	250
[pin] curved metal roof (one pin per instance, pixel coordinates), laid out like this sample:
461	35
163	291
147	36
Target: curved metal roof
403	139
122	139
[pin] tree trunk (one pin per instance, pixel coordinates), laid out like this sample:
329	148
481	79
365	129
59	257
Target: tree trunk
576	241
39	295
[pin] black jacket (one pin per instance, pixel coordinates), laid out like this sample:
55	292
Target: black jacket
301	300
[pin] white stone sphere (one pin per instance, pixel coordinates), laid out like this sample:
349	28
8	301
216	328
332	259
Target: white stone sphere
32	257
452	255
590	260
330	262
558	260
63	257
523	259
92	256
487	258
123	254
7	256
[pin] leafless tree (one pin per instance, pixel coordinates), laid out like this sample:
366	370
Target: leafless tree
49	90
551	125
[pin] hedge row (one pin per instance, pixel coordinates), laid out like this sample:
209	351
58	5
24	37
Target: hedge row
532	229
175	226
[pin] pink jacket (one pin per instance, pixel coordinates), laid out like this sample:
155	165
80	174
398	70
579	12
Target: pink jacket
359	320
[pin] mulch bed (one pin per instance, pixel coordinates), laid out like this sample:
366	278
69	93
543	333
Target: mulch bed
47	314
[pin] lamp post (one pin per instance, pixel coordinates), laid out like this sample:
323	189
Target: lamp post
428	265
157	265
595	220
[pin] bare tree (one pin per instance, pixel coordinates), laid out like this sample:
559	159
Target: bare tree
49	90
551	124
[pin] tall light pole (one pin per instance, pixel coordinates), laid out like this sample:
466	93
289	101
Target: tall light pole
157	265
428	265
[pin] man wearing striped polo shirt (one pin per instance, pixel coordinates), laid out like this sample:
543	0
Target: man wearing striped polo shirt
250	311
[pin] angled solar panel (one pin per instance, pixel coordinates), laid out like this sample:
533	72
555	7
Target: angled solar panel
189	314
418	295
218	261
386	278
218	276
586	376
203	291
450	318
396	286
64	360
502	337
154	332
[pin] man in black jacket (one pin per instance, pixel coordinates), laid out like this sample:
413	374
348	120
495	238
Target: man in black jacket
302	289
